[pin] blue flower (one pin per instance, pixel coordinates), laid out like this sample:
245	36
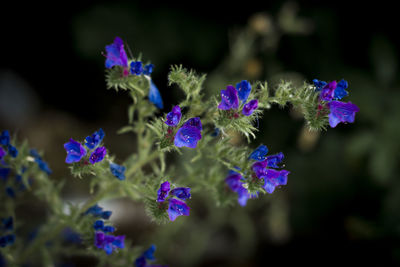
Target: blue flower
41	163
174	117
250	107
98	225
229	98
162	193
177	208
7	240
259	153
5	138
340	90
341	112
147	255
118	171
235	184
95	139
116	55
109	243
4	172
136	67
319	85
189	134
243	88
97	211
12	151
181	192
98	155
155	96
148	69
75	151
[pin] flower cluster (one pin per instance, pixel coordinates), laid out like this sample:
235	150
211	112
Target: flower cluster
262	172
116	56
176	207
147	255
231	96
5	145
330	93
189	134
75	150
7	238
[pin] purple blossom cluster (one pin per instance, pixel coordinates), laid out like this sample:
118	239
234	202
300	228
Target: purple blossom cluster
264	169
116	56
330	93
188	134
76	151
176	207
231	96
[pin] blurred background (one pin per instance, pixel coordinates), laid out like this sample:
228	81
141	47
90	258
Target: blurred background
342	201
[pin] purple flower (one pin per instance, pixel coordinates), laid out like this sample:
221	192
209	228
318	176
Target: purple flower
181	192
174	116
2	153
118	171
97	211
341	112
108	243
136	67
340	91
259	153
328	91
229	98
162	193
12	151
234	182
95	139
155	96
148	69
250	107
273	160
116	55
274	178
97	155
75	151
147	255
319	84
177	208
189	134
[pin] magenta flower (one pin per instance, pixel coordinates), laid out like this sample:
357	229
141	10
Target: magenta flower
75	151
116	55
341	112
98	154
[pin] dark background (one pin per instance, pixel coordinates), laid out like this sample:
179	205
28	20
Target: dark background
342	200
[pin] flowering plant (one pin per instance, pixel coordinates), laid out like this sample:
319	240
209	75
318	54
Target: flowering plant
199	130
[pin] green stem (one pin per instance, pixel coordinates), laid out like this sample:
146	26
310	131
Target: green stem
141	163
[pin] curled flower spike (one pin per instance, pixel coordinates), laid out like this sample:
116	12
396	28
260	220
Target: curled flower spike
118	171
229	98
75	151
177	208
259	153
95	139
341	112
162	193
250	107
116	55
98	155
174	117
243	88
